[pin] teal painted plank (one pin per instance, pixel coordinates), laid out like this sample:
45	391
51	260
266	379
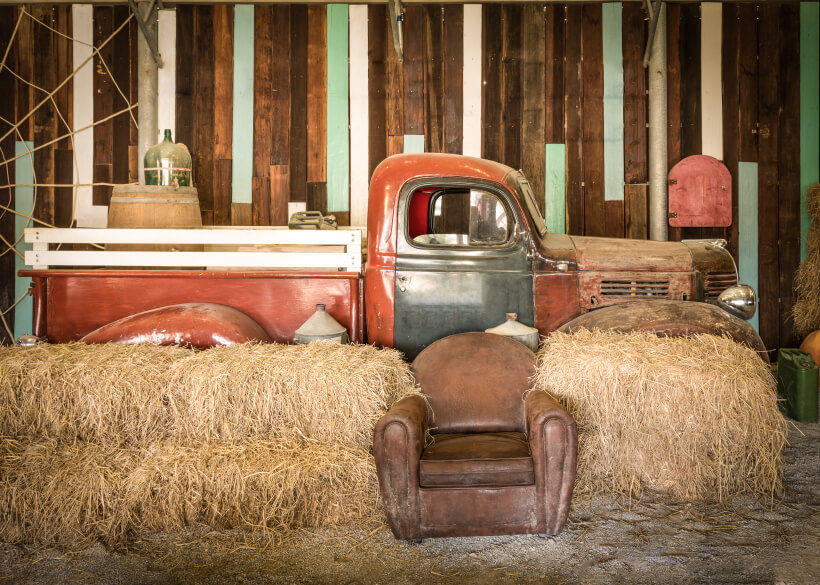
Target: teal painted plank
613	102
338	133
809	110
747	228
555	188
23	203
242	165
413	143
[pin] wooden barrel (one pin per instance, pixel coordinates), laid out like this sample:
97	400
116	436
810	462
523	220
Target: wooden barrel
154	206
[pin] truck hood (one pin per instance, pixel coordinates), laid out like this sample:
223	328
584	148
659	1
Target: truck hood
610	254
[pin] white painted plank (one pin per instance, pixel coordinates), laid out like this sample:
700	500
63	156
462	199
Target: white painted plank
42	260
711	90
243	66
359	128
167	74
413	143
296	207
85	212
471	81
349	237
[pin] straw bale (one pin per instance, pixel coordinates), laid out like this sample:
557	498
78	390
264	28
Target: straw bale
322	390
70	494
696	418
77	391
118	394
806	309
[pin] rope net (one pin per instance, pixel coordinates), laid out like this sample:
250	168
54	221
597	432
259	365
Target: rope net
30	33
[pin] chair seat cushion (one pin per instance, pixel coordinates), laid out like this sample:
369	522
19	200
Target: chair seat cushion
477	460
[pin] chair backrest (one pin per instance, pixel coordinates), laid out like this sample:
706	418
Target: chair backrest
475	382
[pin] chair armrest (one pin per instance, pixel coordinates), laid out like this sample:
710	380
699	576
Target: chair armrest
553	440
398	441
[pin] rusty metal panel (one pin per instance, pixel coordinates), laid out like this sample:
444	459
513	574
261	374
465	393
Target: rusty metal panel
80	301
700	193
601	289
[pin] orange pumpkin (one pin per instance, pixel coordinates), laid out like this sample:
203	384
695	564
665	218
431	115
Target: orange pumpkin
811	345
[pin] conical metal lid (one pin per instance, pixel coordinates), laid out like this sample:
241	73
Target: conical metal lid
512	327
320	324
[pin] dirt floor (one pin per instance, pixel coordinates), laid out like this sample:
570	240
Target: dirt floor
607	541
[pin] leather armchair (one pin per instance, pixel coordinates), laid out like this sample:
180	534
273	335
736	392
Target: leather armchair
478	454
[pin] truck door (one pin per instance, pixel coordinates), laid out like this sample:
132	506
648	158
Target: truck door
463	260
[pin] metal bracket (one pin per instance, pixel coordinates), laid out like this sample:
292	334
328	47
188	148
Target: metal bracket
654	13
149	38
396	10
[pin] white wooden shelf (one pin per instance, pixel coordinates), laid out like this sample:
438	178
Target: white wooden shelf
288	252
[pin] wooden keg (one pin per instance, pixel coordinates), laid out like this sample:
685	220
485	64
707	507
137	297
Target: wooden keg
154	206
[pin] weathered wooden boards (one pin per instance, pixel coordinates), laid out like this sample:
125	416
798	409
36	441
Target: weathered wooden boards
298	109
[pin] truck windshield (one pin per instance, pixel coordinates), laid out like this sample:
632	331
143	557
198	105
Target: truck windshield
529	200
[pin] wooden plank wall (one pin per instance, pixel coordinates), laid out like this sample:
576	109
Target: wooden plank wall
542	85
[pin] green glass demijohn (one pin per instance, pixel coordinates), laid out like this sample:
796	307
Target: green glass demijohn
168	164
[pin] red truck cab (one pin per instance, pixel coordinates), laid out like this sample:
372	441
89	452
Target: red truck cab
456	242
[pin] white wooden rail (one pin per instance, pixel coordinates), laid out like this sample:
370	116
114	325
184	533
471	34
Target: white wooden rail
287	242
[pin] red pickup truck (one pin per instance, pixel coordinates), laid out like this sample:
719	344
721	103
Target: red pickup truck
453	243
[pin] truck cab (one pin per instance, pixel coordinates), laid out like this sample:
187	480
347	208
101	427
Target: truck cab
456	242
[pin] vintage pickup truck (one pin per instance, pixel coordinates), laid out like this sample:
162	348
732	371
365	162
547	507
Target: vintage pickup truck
453	243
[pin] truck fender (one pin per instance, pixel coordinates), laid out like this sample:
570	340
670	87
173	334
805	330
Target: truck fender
198	325
669	318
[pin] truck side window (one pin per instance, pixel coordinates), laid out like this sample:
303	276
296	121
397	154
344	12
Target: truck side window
459	217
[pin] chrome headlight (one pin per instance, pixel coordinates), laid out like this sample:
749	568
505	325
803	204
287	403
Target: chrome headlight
740	301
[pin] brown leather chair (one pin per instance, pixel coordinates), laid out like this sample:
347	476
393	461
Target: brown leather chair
501	460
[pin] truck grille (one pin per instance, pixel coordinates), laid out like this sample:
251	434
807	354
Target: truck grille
634	288
716	282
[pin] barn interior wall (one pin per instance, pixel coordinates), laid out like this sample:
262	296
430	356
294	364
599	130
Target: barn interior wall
546	101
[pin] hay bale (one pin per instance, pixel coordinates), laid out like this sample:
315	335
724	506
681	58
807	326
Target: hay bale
70	494
324	391
103	441
111	393
117	394
696	418
806	309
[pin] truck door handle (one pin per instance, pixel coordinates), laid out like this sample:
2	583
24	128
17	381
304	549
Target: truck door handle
403	282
